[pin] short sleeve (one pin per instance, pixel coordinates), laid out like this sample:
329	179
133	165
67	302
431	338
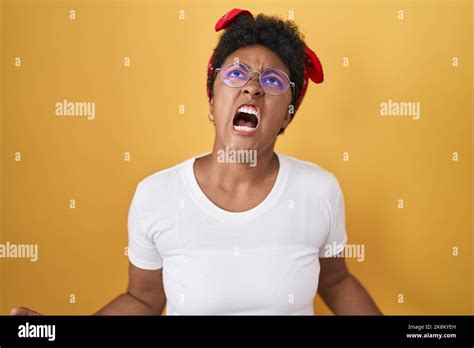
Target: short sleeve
142	251
337	236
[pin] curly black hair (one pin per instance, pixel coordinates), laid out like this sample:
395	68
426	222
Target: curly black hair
282	37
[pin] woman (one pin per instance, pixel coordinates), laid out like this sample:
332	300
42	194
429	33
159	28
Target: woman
220	234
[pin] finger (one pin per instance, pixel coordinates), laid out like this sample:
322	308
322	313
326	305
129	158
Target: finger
23	311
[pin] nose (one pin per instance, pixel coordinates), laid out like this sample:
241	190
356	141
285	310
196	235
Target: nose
252	87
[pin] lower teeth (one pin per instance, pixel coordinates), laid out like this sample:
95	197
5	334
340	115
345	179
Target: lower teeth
244	128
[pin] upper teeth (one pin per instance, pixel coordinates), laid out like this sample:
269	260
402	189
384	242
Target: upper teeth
248	110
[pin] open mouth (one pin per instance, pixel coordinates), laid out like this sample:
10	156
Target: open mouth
246	119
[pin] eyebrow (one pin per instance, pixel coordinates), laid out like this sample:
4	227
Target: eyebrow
248	65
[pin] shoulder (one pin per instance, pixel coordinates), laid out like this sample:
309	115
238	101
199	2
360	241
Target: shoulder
164	176
309	173
161	183
313	180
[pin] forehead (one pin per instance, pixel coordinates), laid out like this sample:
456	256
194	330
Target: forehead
257	57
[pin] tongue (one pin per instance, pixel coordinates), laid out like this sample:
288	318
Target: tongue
242	122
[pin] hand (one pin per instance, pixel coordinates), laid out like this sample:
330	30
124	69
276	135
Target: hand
23	311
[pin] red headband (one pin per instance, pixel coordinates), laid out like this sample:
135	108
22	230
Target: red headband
313	69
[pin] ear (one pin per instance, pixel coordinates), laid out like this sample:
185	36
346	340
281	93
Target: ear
289	116
211	104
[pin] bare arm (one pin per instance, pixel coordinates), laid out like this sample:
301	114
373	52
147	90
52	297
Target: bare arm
341	291
145	295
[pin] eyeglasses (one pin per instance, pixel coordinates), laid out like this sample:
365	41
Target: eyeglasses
272	81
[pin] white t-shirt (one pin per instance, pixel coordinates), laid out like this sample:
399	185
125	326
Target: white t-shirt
261	261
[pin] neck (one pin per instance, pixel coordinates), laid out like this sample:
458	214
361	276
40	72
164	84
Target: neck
231	175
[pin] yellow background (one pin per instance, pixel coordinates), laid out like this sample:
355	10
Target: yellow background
81	251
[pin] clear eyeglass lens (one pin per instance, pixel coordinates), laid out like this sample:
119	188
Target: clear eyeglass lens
272	81
235	75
